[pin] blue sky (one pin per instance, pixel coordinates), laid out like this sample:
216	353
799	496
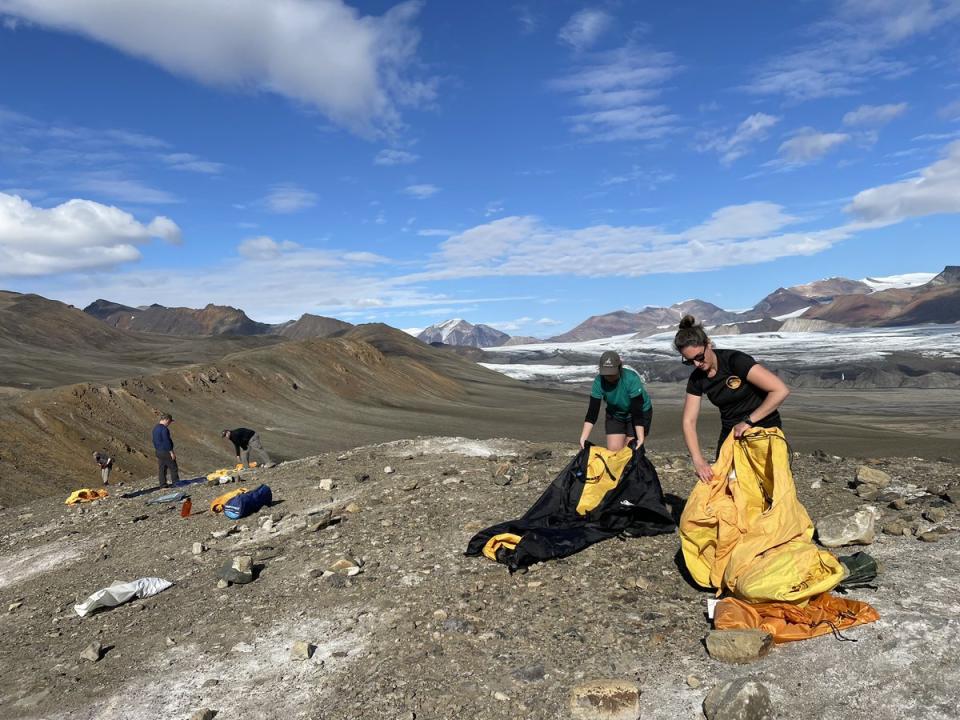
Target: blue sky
523	165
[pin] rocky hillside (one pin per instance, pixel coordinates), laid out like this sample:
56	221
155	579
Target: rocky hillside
45	343
360	603
311	326
374	382
937	301
460	332
211	320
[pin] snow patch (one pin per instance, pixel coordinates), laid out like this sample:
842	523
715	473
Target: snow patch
906	280
38	560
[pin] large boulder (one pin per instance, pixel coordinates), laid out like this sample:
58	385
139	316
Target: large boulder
849	527
867	475
605	700
738	646
742	699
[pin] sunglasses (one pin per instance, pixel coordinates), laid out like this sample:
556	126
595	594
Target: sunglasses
695	359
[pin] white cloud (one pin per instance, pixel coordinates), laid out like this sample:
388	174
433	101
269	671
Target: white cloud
935	190
648	178
808	145
288	198
389	156
753	129
874	115
585	27
510	326
524	245
265	248
365	258
618	90
435	232
547	322
355	69
951	111
113	185
421	192
528	21
192	163
76	235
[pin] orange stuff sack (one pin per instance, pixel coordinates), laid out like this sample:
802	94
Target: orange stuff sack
85	495
787	622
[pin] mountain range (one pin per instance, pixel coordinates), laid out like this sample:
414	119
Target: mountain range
916	298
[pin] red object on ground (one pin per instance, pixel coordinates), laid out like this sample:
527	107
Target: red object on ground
185	508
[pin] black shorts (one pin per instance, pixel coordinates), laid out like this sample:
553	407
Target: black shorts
613	426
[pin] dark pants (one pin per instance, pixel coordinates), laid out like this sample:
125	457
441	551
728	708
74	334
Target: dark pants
165	462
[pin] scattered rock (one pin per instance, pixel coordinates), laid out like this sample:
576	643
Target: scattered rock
738	646
92	652
326	484
388	470
932	536
850	527
693	681
502	697
361	477
15	606
170	642
605	700
239	570
221	584
542	454
352	508
742	699
204	714
409	485
343	566
935	515
952	495
199	548
220	534
302	650
210	682
897	528
899	504
529	673
871	476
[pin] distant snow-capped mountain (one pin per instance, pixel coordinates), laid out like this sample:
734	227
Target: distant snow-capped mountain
460	332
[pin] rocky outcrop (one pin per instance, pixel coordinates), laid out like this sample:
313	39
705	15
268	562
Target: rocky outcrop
210	320
461	332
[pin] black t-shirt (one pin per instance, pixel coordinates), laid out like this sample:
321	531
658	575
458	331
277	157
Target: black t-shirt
730	391
241	438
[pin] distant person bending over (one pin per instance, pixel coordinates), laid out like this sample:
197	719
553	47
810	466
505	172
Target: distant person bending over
244	440
166	456
746	392
629	409
105	463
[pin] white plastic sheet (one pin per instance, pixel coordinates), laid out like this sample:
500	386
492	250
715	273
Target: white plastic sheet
121	592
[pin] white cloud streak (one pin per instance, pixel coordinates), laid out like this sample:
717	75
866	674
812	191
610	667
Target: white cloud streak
76	235
354	69
752	130
422	191
584	28
288	198
618	91
192	163
389	156
874	115
935	190
807	146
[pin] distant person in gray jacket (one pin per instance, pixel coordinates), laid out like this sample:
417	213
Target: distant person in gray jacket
166	455
244	440
105	463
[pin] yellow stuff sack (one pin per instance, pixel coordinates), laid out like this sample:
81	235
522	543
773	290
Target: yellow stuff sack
746	532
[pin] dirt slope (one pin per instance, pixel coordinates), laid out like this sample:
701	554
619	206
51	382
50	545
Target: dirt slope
302	396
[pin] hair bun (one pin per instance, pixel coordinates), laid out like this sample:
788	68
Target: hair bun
688	321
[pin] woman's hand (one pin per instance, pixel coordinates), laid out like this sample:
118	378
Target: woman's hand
704	470
740	428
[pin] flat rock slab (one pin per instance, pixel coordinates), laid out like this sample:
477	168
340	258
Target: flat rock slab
605	700
850	527
738	646
741	699
871	476
239	570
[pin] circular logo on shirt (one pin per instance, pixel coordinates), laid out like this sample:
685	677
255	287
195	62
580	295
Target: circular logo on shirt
733	382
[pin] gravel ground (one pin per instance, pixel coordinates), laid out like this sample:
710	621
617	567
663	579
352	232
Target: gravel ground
422	631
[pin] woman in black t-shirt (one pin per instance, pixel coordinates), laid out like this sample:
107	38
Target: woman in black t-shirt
746	393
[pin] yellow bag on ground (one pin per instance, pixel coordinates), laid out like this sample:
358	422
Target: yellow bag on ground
746	532
85	495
